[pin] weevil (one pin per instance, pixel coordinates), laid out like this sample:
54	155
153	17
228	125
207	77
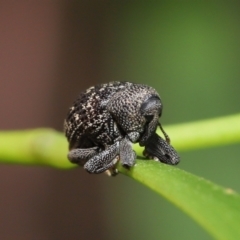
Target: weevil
107	119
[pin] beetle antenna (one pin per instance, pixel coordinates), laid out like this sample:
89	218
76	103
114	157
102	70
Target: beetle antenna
167	138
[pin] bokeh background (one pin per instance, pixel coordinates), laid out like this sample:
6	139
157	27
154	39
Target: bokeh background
51	50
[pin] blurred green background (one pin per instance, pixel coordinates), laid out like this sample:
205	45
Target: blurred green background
189	51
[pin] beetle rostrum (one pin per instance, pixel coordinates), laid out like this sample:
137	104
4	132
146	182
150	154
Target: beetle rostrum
107	119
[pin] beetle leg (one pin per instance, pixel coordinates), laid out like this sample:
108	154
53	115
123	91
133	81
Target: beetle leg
81	155
159	149
127	155
112	172
103	160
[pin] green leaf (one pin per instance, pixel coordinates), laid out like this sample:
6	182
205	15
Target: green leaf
215	208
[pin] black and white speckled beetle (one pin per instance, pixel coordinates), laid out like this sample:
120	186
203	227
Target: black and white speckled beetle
106	119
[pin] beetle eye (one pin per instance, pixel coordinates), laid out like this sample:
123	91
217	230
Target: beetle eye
149	118
151	105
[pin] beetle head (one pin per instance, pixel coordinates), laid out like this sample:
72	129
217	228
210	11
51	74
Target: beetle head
151	110
136	110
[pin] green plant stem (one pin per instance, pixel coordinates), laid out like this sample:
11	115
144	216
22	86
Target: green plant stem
202	134
49	147
205	133
44	147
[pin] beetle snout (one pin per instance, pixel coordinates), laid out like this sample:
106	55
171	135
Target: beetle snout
172	159
160	149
